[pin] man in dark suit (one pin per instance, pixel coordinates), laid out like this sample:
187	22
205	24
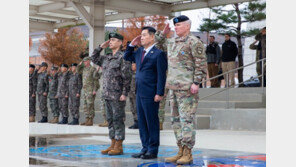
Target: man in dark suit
150	82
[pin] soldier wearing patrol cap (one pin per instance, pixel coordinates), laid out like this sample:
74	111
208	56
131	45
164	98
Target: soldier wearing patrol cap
186	69
53	89
116	86
42	91
90	85
32	93
75	85
63	93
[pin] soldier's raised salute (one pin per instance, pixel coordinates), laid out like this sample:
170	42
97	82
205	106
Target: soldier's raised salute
75	85
90	85
116	85
42	91
63	93
186	69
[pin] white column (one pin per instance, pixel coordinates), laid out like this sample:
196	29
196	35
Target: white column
97	31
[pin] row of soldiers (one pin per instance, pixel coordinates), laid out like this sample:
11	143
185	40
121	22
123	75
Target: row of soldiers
61	87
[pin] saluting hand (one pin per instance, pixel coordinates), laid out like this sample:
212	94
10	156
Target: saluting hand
136	41
44	94
105	44
166	29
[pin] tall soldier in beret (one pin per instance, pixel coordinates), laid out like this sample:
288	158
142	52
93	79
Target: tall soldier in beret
75	85
90	85
42	91
53	90
116	85
32	93
186	69
63	93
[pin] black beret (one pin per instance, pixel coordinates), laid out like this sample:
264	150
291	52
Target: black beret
115	35
64	65
32	66
180	19
43	64
74	64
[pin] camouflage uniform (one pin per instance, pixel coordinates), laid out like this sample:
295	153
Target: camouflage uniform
32	90
90	83
42	87
132	97
53	89
186	65
116	82
75	85
63	90
161	111
102	102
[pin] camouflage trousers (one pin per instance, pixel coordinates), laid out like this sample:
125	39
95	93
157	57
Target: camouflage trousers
88	104
63	106
115	117
161	111
54	106
42	100
103	108
183	109
133	105
74	103
32	105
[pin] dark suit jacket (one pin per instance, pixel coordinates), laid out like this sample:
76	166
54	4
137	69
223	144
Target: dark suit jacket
151	73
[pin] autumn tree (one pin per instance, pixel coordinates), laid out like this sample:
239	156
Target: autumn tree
231	21
133	26
65	46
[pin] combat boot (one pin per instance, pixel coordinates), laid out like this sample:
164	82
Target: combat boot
86	120
160	126
104	124
113	141
186	158
43	120
32	119
74	122
176	157
117	150
54	120
64	120
90	122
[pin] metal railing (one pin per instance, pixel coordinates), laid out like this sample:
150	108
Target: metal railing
226	77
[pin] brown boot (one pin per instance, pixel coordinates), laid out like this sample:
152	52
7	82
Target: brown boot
86	121
90	122
54	120
117	150
104	124
176	157
186	158
32	119
160	126
109	148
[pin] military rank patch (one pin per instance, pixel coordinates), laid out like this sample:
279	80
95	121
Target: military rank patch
199	50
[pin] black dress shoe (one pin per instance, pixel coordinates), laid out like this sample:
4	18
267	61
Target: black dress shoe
138	155
149	156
